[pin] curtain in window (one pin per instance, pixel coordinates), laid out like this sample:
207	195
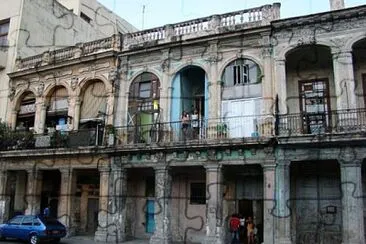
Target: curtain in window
94	101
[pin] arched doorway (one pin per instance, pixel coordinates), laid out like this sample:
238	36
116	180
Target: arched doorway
144	109
242	97
190	93
310	87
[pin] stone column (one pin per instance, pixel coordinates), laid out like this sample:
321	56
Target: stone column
76	118
20	191
268	202
40	115
101	234
42	120
121	102
344	81
215	232
267	80
110	108
352	202
34	189
163	187
282	210
3	197
68	182
214	86
165	86
281	85
117	208
13	119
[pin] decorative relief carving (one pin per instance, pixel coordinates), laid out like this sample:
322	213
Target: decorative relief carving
40	89
74	82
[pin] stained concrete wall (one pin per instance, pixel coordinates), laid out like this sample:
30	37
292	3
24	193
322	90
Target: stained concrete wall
189	220
40	25
316	202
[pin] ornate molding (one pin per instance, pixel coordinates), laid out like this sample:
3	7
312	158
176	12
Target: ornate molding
74	83
40	89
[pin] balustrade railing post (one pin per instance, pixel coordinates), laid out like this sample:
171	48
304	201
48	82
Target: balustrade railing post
215	23
169	32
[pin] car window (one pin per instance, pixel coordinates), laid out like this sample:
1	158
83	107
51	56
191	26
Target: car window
36	222
16	220
28	220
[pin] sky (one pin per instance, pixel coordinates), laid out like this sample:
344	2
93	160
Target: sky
162	12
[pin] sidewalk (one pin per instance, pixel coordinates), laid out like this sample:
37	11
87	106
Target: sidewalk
90	240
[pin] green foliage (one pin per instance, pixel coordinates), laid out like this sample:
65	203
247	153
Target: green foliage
13	140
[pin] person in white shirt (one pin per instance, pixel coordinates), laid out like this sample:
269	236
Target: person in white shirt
195	124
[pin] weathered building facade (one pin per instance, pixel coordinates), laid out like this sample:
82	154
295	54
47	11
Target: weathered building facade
278	132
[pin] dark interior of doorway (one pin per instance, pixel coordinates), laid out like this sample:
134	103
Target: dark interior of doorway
50	191
245	209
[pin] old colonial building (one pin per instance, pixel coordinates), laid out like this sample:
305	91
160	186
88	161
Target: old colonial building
31	27
275	130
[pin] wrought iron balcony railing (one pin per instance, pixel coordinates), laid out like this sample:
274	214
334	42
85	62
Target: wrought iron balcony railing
332	122
200	131
20	140
194	132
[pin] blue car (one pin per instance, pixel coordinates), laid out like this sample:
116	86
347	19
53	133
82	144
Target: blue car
33	229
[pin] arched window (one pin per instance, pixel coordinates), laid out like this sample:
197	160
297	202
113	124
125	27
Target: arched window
57	110
27	109
241	72
143	106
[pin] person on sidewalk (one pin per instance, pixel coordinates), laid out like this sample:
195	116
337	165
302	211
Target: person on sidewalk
234	228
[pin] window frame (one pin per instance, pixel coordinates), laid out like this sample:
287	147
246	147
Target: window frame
145	90
240	72
16	217
30	223
4	34
197	200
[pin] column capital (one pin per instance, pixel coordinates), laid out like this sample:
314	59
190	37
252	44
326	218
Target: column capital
104	170
212	167
269	166
283	162
65	170
161	168
341	53
354	163
280	61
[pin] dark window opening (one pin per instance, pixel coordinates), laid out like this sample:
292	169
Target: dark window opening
150	187
85	17
241	74
4	30
198	193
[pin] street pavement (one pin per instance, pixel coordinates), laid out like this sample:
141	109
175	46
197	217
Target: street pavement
80	240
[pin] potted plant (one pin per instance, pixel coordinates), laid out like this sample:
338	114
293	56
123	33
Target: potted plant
222	130
110	131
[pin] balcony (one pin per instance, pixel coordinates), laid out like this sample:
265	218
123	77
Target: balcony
209	131
333	122
231	130
21	140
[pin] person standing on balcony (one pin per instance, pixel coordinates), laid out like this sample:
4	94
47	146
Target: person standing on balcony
185	124
195	124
